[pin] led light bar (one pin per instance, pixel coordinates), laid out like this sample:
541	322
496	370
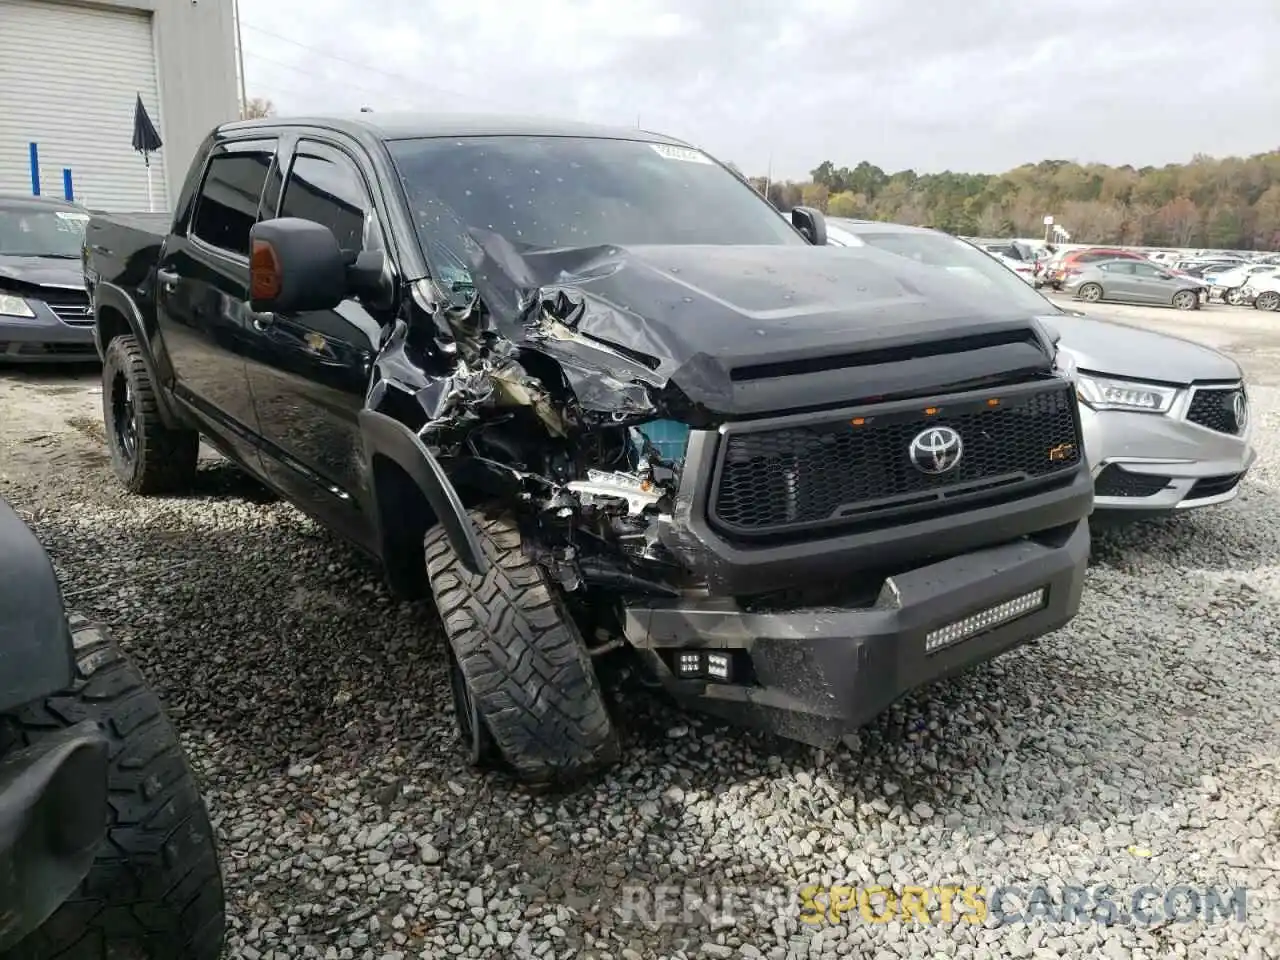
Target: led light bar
984	620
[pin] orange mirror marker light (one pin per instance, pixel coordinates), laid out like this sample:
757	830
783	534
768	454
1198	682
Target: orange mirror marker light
264	272
858	421
930	411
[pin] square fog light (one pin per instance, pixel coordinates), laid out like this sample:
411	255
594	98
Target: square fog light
689	664
719	666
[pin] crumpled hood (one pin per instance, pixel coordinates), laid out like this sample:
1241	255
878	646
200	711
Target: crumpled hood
726	323
42	272
1123	351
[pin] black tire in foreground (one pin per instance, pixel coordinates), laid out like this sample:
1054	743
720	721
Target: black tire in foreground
525	690
155	890
147	456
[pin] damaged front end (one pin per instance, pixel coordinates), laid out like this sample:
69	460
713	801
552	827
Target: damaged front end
529	409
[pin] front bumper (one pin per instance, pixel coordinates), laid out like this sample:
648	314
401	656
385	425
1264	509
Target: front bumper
45	338
1149	462
53	818
816	674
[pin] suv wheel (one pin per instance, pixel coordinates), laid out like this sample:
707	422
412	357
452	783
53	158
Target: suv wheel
154	891
147	456
525	690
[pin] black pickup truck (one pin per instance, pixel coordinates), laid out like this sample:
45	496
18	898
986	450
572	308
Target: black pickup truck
590	392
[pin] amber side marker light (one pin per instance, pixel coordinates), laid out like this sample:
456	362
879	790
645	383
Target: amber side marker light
993	402
930	411
858	421
264	271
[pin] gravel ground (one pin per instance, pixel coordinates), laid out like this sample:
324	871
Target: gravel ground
1140	745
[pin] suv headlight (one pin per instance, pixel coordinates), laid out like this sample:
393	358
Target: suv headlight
14	306
1108	393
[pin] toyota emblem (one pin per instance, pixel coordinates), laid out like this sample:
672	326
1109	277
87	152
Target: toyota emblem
936	450
1240	410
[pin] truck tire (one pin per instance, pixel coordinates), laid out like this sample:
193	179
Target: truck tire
147	456
522	668
155	890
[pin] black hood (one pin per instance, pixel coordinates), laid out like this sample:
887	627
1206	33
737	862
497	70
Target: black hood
56	272
743	330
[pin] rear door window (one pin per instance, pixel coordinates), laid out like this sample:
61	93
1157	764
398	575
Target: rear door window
230	195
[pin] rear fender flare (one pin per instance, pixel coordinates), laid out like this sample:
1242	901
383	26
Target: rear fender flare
109	296
386	437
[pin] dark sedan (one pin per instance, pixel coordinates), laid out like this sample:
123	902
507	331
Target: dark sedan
44	310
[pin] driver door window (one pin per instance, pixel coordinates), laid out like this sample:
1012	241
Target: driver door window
325	186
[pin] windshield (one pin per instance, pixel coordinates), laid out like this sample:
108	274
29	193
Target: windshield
41	233
553	192
961	259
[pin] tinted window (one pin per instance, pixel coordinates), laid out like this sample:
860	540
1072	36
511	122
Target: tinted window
1118	266
545	192
26	231
328	189
1146	270
228	204
960	259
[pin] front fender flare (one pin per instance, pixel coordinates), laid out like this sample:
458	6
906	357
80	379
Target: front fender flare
389	438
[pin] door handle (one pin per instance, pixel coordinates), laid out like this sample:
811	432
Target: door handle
168	280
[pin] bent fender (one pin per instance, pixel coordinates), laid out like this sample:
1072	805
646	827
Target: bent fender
383	435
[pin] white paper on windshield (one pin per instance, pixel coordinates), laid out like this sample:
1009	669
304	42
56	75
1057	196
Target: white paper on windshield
687	154
77	217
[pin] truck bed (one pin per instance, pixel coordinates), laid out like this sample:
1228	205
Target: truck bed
121	248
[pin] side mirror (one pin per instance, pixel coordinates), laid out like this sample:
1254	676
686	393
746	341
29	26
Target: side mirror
811	224
295	265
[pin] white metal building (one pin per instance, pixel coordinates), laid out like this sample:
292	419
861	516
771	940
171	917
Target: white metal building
70	74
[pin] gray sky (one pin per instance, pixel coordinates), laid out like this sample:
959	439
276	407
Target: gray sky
972	85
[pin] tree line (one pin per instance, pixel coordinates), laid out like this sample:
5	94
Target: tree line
1231	203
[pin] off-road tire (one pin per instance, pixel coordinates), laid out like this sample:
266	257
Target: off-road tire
523	659
163	460
155	890
1090	293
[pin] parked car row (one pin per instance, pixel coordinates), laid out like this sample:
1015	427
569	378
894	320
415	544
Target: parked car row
1166	421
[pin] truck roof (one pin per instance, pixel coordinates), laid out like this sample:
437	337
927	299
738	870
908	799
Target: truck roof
407	126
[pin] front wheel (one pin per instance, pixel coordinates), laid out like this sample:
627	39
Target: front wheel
1186	300
1267	300
155	889
525	691
1090	293
1234	296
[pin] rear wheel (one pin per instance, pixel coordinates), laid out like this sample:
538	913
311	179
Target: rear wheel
155	890
526	695
1234	296
147	456
1090	293
1267	300
1186	300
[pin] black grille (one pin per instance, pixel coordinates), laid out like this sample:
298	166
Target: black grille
1215	486
1115	481
834	471
71	306
1215	408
